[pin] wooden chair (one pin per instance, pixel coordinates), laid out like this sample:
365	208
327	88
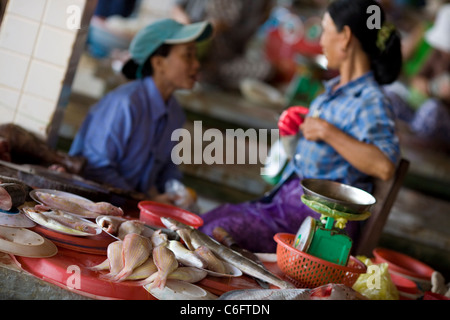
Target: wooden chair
385	192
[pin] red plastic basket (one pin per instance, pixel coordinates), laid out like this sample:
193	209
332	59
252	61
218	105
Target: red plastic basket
308	271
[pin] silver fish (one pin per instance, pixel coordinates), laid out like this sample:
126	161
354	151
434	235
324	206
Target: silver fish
184	255
212	262
61	221
159	238
236	259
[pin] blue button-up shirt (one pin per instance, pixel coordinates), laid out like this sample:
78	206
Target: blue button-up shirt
126	138
360	109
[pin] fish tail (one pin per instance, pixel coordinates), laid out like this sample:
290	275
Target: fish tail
159	282
123	275
102	266
148	280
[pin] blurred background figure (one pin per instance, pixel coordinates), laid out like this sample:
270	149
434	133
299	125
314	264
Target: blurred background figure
235	23
424	103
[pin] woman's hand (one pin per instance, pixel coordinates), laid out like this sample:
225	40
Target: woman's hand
363	156
316	129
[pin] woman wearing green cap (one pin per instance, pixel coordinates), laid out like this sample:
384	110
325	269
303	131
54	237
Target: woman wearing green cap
126	137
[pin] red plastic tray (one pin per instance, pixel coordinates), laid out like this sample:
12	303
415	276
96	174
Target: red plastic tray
403	264
151	213
92	244
59	270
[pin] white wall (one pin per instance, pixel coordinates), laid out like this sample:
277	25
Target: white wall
36	46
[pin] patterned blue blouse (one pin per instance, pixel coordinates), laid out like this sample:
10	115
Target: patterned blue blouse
360	109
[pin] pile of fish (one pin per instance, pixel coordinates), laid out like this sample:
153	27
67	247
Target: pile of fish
155	260
61	221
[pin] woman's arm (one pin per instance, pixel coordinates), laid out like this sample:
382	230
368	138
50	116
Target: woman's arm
367	158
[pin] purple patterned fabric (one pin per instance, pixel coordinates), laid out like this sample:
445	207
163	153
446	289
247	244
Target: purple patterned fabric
253	224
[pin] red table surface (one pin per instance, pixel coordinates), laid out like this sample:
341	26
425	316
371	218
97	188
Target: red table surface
59	270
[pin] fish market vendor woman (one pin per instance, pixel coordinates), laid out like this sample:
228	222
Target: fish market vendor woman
347	136
126	136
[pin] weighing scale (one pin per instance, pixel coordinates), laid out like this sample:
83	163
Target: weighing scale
337	203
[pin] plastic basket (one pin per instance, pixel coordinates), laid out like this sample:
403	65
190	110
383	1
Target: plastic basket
308	271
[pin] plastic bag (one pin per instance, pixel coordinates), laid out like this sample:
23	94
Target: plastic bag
183	197
376	283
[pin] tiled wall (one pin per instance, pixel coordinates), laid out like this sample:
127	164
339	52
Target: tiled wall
36	46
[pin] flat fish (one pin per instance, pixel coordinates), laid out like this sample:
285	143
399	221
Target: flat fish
79	206
61	221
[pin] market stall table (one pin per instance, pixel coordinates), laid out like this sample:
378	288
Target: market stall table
70	270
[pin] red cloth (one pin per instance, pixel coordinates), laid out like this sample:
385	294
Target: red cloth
291	119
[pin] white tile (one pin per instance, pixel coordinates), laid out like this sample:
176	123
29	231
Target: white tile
6	114
36	107
18	34
32	9
44	80
54	45
13	69
60	13
9	98
31	124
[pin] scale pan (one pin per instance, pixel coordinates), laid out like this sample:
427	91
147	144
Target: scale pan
338	196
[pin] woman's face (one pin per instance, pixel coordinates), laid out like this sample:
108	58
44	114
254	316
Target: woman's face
332	42
180	68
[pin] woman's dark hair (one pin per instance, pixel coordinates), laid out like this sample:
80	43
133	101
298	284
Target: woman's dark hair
130	68
386	62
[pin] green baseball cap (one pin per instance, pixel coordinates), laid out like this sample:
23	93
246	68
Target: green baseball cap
165	31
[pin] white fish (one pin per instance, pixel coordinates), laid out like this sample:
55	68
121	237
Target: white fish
130	226
159	238
184	255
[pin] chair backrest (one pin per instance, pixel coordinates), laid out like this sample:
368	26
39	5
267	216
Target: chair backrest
385	192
